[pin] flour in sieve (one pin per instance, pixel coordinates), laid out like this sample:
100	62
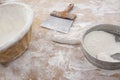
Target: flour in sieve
102	45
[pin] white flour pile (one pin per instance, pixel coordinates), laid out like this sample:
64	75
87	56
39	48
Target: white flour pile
102	45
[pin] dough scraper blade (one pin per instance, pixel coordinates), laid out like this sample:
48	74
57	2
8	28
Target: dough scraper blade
60	21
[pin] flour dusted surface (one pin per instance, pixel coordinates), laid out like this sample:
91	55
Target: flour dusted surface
38	63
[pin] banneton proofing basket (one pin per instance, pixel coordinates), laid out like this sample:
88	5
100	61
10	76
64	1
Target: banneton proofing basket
15	30
99	63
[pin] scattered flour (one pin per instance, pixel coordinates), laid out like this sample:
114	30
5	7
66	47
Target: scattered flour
102	45
42	54
3	1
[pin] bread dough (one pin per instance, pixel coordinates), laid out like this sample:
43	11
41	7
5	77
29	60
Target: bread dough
13	22
71	38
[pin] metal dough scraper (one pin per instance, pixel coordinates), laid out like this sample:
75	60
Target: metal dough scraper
60	21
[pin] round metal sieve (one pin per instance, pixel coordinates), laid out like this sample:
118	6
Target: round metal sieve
114	29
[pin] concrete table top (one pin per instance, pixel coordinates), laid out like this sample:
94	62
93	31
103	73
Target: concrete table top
46	60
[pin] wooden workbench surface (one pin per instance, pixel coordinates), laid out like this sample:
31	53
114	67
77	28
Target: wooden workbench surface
46	60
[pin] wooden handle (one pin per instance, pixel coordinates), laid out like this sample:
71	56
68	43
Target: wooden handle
69	8
65	14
